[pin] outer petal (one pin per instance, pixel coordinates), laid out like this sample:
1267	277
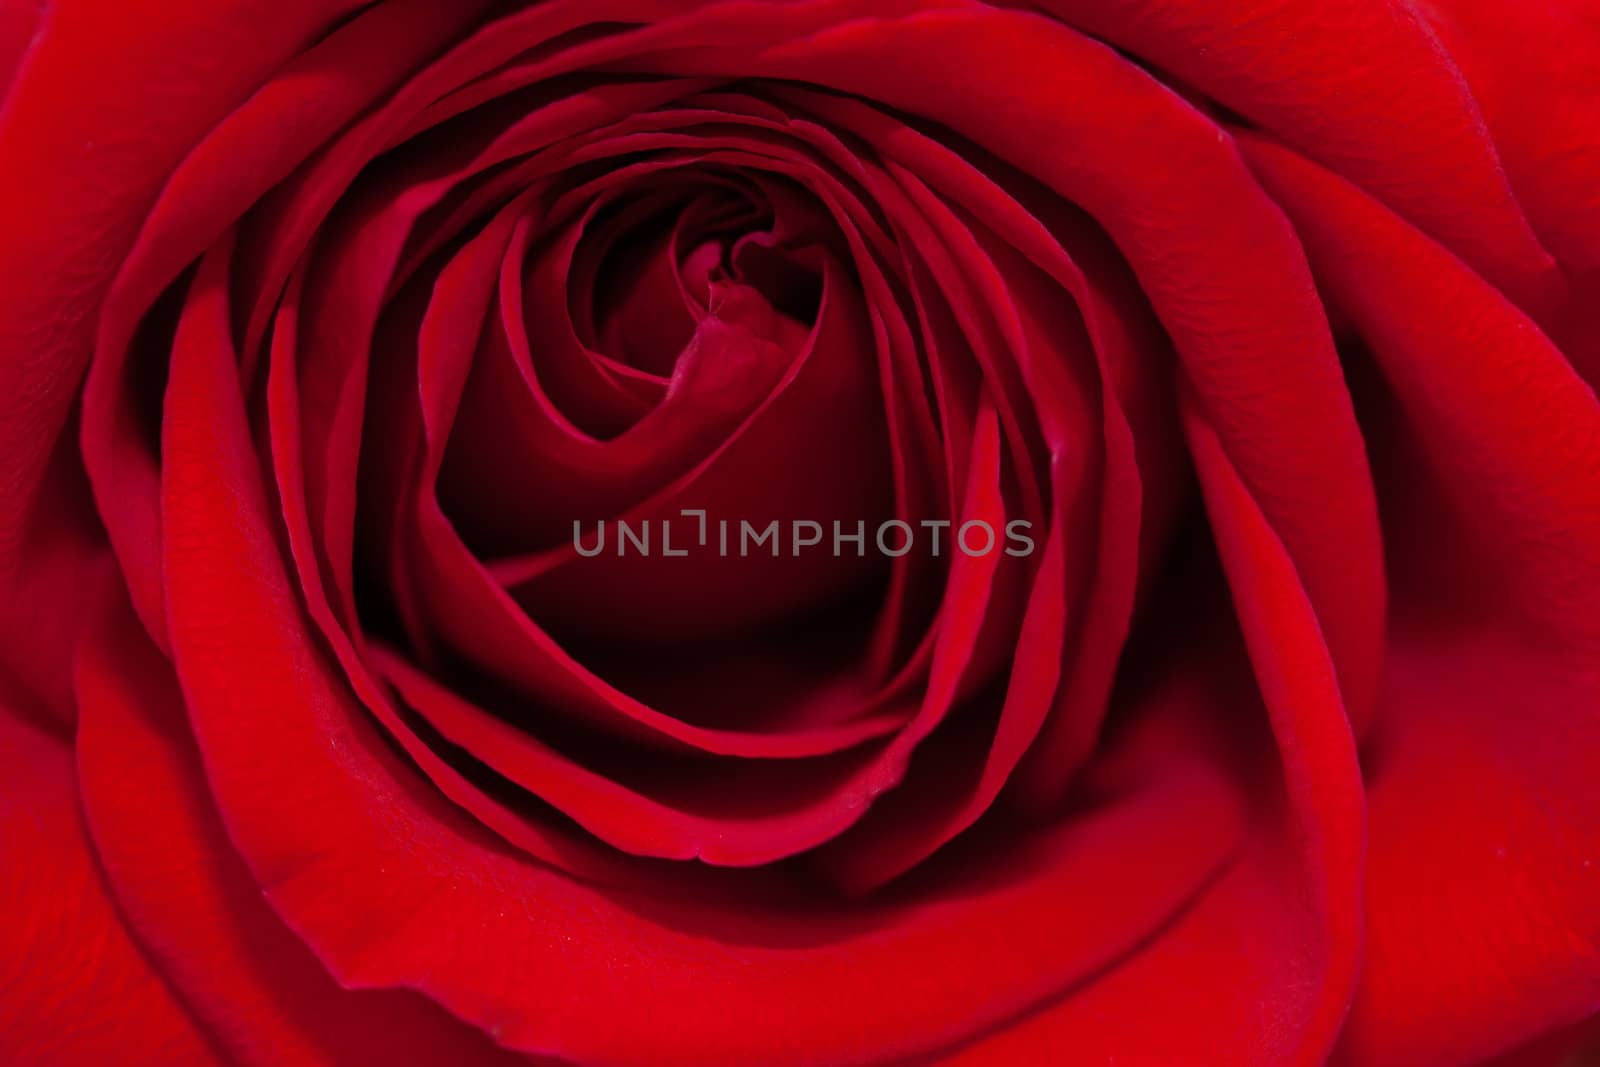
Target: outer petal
260	991
1258	970
1484	865
77	989
1535	70
73	191
1363	87
19	28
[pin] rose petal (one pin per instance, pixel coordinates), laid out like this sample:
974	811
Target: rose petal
1363	88
176	876
253	148
95	72
1181	206
390	886
1484	885
1545	115
78	989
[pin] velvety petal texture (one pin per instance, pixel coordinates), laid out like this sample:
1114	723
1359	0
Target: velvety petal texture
78	989
800	532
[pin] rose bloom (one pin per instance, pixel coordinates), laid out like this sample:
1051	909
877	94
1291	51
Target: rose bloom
1274	323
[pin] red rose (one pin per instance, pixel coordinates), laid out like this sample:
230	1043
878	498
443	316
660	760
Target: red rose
638	532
